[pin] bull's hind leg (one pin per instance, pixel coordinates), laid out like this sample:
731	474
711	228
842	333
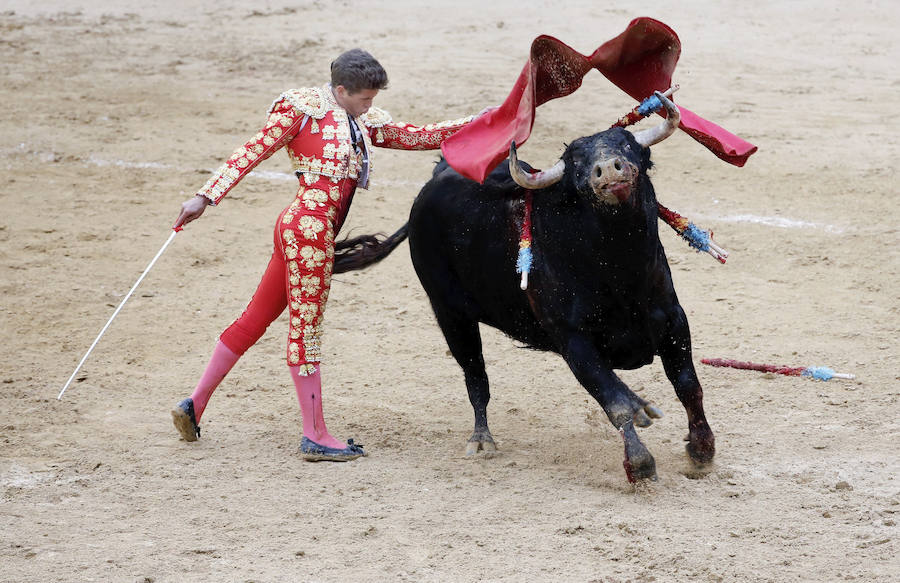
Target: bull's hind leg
464	340
622	406
675	353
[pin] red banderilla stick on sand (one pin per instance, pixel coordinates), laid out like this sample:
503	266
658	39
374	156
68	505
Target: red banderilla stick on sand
821	373
116	313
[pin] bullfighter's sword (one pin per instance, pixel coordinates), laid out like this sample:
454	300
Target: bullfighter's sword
116	313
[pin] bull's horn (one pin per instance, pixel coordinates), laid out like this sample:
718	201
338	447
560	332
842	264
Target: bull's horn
659	133
530	181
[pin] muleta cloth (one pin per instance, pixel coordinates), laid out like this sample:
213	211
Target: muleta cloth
639	61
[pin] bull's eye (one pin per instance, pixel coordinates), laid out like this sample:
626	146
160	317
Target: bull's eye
618	165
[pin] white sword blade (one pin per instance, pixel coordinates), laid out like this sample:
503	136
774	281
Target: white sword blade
116	313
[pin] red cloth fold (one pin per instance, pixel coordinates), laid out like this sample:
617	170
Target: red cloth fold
638	61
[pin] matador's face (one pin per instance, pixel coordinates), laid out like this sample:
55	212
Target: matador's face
356	103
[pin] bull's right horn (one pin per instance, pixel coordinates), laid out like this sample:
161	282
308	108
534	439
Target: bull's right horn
659	133
537	180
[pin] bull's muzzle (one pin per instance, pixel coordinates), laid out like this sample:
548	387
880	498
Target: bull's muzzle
612	179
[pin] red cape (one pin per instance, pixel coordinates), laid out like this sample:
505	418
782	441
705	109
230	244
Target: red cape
639	61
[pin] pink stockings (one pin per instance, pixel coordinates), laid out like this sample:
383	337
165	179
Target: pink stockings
309	393
219	364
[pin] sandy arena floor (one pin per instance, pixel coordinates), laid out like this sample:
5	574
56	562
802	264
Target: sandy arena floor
114	113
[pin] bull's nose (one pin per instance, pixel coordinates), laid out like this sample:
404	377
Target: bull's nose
611	169
611	178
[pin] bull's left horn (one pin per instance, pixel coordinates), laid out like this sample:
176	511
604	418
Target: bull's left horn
537	180
659	133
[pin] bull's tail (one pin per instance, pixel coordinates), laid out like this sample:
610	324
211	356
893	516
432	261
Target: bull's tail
360	252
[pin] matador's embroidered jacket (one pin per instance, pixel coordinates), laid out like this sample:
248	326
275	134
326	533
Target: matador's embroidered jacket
317	135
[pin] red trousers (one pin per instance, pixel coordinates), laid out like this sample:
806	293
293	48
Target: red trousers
299	273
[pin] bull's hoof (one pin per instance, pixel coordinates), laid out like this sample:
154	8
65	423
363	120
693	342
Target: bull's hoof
637	410
481	441
701	446
701	455
641	419
644	416
639	463
653	411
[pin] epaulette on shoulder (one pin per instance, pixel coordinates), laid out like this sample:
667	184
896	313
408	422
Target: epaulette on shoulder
306	101
376	118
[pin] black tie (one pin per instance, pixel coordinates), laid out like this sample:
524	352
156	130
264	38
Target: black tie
359	145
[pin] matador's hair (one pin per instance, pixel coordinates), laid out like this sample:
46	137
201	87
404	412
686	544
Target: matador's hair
358	70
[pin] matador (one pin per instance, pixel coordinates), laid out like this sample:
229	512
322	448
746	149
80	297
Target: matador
328	133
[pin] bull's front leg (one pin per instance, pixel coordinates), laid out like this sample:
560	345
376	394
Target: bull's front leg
622	406
675	353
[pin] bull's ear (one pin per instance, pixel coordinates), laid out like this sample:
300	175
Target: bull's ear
537	180
655	135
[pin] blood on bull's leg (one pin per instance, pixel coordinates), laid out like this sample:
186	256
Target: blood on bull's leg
638	463
622	406
675	353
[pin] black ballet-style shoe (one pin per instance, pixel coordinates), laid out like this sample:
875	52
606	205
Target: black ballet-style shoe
313	452
185	420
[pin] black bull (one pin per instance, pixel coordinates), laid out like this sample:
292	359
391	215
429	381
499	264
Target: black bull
600	292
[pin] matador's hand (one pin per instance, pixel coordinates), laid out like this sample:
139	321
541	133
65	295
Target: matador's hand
190	210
